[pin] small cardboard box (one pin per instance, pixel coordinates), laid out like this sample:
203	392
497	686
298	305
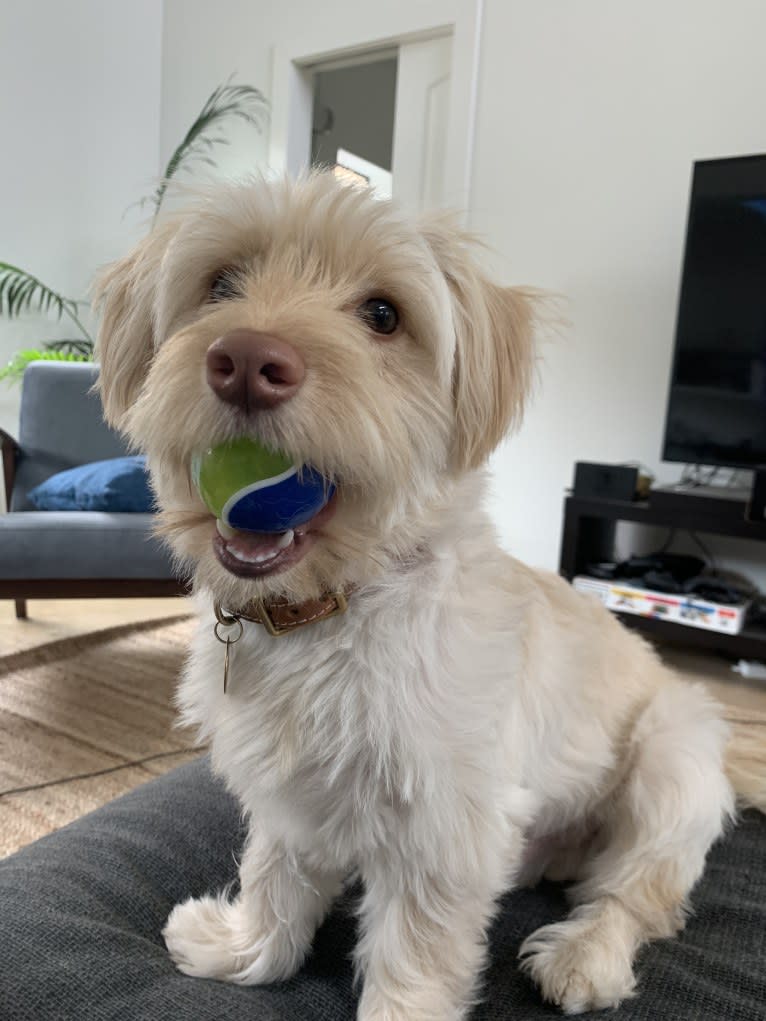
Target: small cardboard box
681	609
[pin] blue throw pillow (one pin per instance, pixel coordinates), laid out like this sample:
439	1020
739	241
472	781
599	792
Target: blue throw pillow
119	485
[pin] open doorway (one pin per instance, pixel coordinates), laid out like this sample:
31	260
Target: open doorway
388	116
353	120
437	66
382	119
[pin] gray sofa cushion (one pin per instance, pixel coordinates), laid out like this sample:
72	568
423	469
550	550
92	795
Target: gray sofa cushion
80	544
81	913
61	425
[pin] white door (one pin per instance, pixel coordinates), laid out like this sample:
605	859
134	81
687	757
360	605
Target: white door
421	121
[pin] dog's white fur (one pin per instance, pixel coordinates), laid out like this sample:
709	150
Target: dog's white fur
470	723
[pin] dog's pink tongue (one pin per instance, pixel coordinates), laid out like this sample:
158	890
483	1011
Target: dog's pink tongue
254	547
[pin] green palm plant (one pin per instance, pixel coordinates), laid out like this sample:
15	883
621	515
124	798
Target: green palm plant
21	292
244	102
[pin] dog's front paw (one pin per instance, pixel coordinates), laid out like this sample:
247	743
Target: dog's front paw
214	938
578	967
422	1004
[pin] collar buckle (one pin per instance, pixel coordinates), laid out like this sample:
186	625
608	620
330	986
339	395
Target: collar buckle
280	619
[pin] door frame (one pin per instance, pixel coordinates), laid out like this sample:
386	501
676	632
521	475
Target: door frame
292	84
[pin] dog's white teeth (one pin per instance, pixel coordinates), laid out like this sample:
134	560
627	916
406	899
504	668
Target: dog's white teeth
285	539
237	545
224	530
253	558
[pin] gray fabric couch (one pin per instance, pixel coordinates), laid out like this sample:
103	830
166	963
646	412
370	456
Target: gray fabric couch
70	553
81	913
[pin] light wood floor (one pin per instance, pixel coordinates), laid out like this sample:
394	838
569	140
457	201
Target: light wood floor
729	687
52	619
86	708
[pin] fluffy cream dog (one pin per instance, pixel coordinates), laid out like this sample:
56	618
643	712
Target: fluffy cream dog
468	723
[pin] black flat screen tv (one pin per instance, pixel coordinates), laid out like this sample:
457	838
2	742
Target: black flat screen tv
716	411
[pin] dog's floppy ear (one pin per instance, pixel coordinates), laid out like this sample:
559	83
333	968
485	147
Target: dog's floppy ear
494	355
125	293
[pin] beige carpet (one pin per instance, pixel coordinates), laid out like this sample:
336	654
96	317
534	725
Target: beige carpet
84	719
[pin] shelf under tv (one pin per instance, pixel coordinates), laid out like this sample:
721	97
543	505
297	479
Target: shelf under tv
750	643
590	525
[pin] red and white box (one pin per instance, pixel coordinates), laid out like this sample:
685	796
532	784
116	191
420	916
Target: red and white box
681	609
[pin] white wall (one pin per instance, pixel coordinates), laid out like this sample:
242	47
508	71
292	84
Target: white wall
590	115
204	44
80	111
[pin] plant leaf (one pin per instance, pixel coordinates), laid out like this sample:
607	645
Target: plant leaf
76	346
21	292
227	100
14	370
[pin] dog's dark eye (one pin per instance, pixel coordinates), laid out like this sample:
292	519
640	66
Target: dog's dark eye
379	315
225	285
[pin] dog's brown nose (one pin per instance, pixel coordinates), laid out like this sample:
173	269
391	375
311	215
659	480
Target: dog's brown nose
253	370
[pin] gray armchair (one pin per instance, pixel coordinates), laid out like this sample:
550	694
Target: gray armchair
70	554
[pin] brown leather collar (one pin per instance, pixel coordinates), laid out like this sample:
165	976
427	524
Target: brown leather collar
280	616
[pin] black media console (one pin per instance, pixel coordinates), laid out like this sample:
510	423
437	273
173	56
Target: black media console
588	537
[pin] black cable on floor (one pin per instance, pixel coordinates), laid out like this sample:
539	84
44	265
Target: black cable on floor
98	772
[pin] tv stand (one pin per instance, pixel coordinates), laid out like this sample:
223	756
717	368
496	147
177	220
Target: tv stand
716	503
739	494
588	537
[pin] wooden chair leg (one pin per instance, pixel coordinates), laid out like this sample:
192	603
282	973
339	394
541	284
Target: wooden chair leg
21	609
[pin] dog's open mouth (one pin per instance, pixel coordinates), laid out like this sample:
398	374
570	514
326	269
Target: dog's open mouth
257	554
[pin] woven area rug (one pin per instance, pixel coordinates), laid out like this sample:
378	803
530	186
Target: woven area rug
85	719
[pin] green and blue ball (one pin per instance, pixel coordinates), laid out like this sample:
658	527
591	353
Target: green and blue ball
249	487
